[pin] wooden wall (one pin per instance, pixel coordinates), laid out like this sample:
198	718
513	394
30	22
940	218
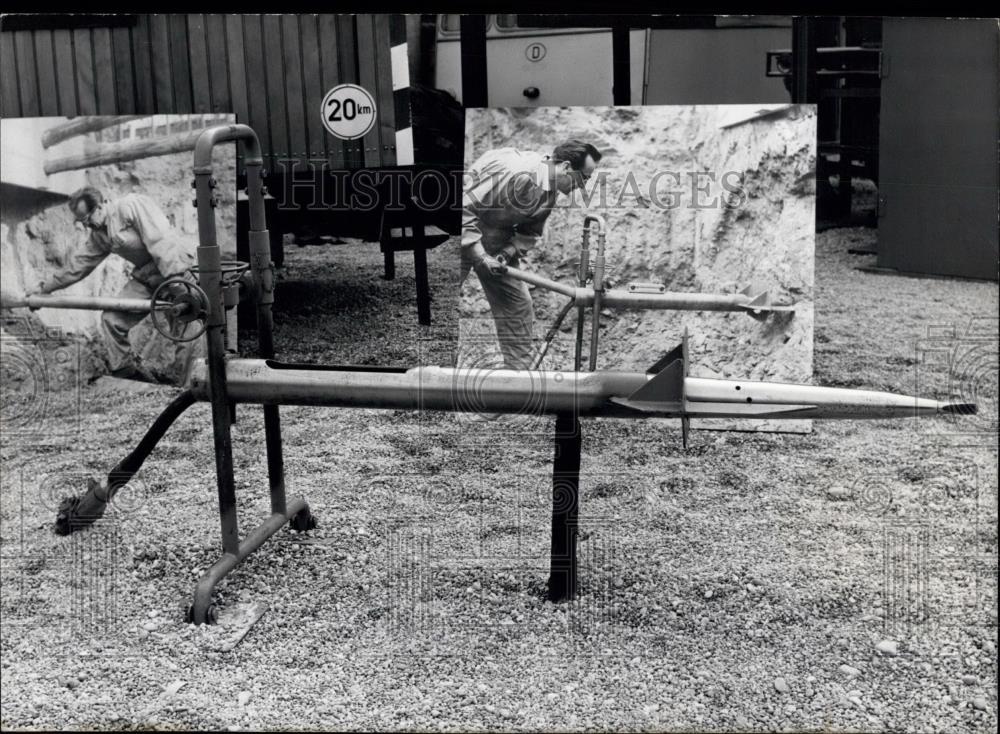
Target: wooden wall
271	70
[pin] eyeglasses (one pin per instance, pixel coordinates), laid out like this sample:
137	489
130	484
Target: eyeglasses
87	219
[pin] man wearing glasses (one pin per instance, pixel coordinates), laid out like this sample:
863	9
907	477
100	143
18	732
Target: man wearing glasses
135	228
504	208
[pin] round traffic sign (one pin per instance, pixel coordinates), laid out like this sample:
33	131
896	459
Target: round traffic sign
348	111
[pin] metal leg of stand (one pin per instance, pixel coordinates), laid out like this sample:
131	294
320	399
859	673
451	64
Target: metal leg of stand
565	507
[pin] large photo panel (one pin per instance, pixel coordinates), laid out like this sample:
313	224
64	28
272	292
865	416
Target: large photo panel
707	200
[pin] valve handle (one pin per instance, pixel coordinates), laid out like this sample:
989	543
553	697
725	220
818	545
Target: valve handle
175	303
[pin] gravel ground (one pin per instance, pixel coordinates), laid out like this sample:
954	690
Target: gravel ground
842	580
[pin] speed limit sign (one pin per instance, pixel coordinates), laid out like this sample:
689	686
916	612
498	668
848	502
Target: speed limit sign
348	111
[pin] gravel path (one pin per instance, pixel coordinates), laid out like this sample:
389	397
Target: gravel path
752	582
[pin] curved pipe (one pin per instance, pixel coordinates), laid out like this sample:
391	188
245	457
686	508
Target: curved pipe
82	510
223	134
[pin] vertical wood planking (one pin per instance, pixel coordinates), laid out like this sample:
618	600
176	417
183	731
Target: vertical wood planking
384	97
84	67
354	156
163	89
372	142
48	94
180	66
215	39
312	86
237	68
121	43
329	77
257	92
201	87
62	41
10	96
104	80
27	79
276	101
292	53
145	98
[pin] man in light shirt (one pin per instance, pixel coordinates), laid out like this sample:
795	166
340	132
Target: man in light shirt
504	209
135	228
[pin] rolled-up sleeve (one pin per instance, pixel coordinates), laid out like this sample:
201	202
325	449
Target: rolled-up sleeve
78	266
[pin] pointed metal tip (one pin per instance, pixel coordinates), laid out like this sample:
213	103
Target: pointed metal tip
960	408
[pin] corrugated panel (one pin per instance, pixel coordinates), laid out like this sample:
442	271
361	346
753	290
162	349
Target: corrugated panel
62	42
83	62
145	96
121	43
382	64
291	57
179	65
10	101
367	68
215	39
27	76
330	74
274	76
201	87
104	81
45	63
271	71
253	47
354	154
312	85
159	54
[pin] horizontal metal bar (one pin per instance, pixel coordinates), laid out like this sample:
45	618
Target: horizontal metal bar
625	300
87	303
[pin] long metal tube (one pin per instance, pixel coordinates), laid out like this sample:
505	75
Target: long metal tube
263	285
622	299
86	303
210	279
603	393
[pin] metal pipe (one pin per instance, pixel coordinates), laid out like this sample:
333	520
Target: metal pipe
603	393
210	278
542	282
86	303
262	272
595	324
582	275
230	559
624	300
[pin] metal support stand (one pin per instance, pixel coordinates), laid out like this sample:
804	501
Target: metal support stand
565	507
210	275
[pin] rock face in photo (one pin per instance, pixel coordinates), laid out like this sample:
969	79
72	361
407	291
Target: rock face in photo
703	199
37	235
